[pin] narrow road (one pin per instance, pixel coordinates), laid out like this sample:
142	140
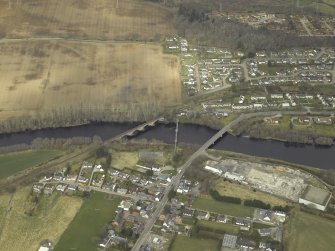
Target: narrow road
329	27
303	22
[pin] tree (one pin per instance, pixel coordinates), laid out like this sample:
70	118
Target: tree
101	152
149	173
172	194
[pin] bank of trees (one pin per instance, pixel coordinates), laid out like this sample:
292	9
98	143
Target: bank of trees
76	115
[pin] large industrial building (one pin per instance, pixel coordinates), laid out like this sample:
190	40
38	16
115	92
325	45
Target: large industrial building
315	197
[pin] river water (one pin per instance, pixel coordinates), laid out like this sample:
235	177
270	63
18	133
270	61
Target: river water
321	157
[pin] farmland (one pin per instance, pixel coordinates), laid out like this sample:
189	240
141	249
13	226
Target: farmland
16	162
85	229
22	232
303	229
185	243
46	75
100	19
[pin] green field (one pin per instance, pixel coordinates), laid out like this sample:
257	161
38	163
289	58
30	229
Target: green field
183	243
208	204
15	162
86	228
228	228
306	232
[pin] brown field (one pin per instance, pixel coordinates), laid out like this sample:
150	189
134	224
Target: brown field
244	192
41	75
23	232
98	19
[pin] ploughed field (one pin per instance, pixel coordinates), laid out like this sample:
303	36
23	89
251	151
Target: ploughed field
42	75
98	19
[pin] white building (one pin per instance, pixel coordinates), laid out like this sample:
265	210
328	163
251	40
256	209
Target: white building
234	176
213	170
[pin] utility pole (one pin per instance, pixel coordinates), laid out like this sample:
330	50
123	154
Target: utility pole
117	3
9	4
176	137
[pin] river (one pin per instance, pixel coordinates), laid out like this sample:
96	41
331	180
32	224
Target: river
321	157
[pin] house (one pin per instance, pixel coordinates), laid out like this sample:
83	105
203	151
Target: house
245	243
202	215
122	191
106	242
118	219
61	187
221	218
323	120
264	215
48	189
243	222
189	212
264	231
125	205
72	187
229	241
38	188
159	196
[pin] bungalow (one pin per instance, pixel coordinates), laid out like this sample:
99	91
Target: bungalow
221	218
189	212
201	215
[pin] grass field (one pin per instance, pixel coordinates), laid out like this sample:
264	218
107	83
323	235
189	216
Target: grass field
207	203
121	160
100	19
305	232
87	226
16	162
19	231
183	243
228	228
227	188
40	76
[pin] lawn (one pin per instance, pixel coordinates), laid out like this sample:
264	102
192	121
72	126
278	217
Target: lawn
84	231
183	243
18	231
306	232
209	204
15	162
